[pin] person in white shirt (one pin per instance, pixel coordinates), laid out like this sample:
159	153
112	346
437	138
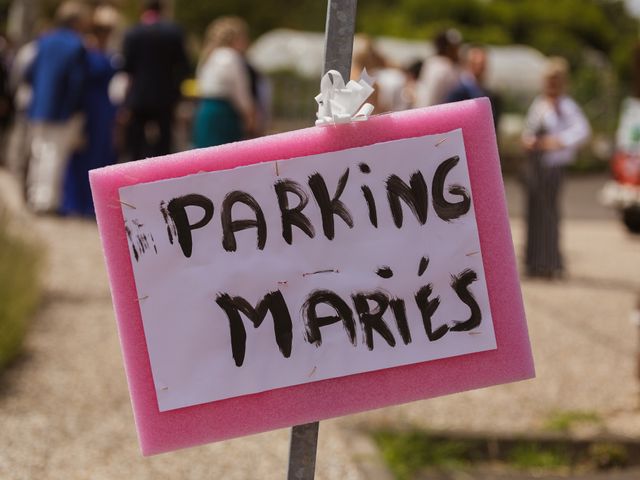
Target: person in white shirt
555	129
226	110
440	73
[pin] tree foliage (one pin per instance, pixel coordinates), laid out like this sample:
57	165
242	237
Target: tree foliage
261	15
555	27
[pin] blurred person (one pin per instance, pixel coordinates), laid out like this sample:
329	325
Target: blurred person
58	78
411	74
367	57
391	87
472	80
389	81
98	149
226	112
18	142
6	104
261	92
440	73
555	128
156	62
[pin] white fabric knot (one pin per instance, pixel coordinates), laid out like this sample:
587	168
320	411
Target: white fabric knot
340	103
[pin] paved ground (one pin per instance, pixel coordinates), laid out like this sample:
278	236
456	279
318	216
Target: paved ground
583	341
65	413
493	474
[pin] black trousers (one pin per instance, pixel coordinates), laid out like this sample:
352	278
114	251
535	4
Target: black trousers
544	183
149	133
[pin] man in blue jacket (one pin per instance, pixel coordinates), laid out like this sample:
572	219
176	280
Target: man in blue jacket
471	84
58	76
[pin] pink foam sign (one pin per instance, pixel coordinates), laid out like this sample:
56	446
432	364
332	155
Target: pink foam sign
281	407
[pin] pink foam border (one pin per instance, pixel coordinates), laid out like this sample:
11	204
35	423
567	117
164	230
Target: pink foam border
160	432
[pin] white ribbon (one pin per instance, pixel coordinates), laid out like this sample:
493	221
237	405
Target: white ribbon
340	103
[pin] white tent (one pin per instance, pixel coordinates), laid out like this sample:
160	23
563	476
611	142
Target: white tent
516	67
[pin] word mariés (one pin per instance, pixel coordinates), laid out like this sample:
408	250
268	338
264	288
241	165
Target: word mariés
414	195
371	319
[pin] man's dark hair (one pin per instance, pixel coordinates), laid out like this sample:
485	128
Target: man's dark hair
154	5
415	68
445	39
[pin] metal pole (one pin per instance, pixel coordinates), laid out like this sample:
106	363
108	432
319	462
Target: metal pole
302	451
338	49
338	43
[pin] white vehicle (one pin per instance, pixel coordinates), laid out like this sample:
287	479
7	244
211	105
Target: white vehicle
623	191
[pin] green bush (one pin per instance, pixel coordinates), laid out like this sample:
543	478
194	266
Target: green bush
564	421
408	452
608	455
19	290
532	456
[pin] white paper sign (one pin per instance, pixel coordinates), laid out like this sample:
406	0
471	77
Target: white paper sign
289	272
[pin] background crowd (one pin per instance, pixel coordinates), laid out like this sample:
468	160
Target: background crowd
85	94
81	99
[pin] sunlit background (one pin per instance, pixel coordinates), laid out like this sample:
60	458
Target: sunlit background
64	405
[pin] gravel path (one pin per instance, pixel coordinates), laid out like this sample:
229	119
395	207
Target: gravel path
65	412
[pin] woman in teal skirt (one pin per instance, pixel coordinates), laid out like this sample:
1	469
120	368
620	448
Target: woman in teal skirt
226	107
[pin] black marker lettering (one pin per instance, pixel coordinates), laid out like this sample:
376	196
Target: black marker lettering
448	211
153	240
424	263
400	314
133	246
364	168
292	216
415	196
371	205
427	309
313	322
384	272
229	226
177	209
170	225
460	285
272	302
371	321
330	206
